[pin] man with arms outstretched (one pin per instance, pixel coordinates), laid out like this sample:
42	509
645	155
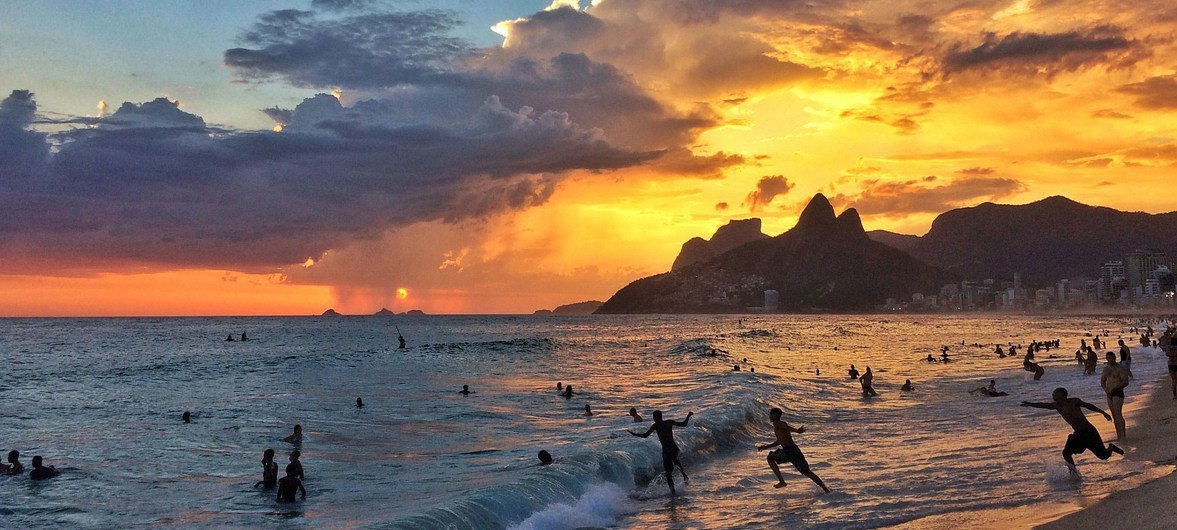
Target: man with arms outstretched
665	430
789	452
1085	436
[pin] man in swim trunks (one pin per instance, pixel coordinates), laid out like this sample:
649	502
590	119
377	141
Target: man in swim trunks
1085	437
665	430
789	452
1125	356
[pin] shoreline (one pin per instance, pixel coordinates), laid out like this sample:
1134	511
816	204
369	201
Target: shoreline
1152	431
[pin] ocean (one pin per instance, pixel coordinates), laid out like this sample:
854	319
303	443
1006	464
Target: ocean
102	398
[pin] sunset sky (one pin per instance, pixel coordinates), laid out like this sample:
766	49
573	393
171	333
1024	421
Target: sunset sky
184	157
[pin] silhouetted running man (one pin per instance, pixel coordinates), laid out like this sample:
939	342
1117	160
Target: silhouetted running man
1085	437
665	430
290	484
269	470
41	472
401	339
789	452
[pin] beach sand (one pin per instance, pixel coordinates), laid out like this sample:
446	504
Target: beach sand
1152	435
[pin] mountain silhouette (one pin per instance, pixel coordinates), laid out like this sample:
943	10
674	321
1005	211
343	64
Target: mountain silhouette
1046	241
729	236
824	263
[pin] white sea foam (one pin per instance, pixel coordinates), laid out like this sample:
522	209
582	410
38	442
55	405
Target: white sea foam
599	506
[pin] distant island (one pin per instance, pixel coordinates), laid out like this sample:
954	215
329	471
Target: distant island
383	312
579	308
1051	254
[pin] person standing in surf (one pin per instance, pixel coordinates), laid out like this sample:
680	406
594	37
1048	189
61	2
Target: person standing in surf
1085	437
665	430
1114	379
789	452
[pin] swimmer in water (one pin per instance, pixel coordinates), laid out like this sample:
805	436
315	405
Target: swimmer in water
359	403
735	368
41	472
14	465
930	358
588	411
567	394
633	413
789	452
466	390
288	485
665	430
545	457
1085	437
244	337
990	390
296	437
853	372
186	417
1029	365
866	380
400	339
294	461
907	386
229	339
559	386
269	470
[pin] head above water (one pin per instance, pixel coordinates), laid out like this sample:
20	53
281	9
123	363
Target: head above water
294	455
268	455
465	387
775	414
633	411
37	461
187	417
13	455
657	415
298	429
545	457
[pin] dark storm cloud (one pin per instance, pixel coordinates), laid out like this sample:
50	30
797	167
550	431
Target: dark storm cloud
363	51
1158	92
343	5
22	151
1029	53
150	184
927	195
767	189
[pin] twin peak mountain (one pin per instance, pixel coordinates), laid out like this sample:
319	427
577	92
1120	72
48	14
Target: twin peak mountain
829	263
826	262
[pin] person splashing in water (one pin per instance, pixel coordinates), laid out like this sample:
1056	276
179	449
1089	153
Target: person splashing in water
788	452
1085	437
665	430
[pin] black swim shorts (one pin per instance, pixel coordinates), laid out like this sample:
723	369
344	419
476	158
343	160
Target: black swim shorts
1083	440
791	454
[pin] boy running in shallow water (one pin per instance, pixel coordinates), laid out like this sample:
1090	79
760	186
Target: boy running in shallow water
789	452
1085	437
